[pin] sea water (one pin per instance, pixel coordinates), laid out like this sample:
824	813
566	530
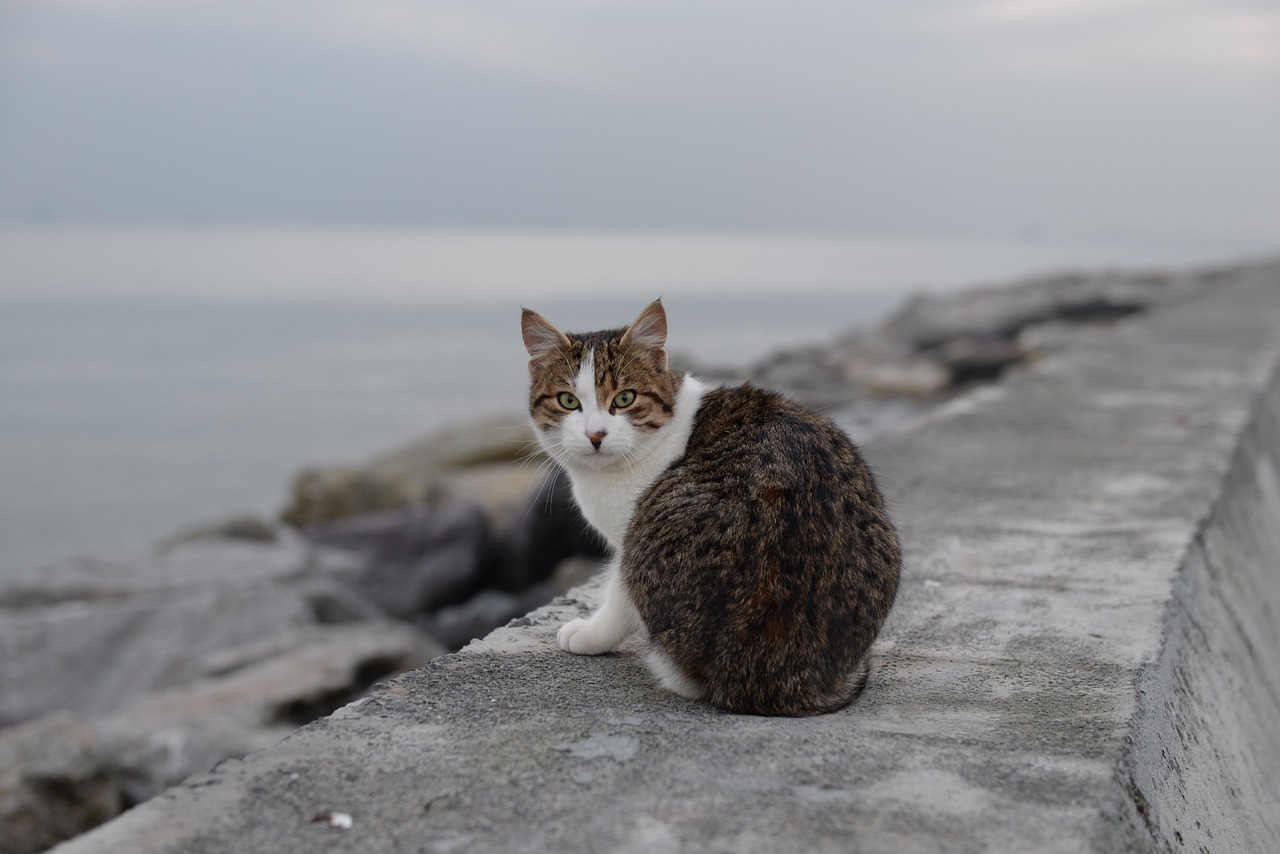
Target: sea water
130	409
123	420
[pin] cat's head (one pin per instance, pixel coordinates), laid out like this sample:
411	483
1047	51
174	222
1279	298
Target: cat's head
600	399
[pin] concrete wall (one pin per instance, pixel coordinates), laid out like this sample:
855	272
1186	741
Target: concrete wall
1084	657
1203	767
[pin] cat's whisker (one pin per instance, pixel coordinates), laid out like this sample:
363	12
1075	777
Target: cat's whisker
531	454
544	488
547	469
549	494
632	459
515	426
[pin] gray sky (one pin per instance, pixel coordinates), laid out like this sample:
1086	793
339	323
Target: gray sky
1061	119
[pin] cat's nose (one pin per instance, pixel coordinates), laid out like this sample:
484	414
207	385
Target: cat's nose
596	439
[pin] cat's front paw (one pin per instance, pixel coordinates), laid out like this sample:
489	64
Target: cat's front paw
576	636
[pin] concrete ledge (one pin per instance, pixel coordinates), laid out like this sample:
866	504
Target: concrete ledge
1203	765
1084	657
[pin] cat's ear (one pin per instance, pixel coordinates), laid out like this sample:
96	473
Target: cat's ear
649	333
540	337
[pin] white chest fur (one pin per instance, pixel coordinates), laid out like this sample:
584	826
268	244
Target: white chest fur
607	496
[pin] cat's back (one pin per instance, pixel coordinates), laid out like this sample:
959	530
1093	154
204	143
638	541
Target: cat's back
753	432
763	561
754	447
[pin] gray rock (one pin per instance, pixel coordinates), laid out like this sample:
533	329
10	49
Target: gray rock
57	780
89	637
60	776
910	377
251	696
969	359
417	559
574	572
1056	335
936	345
332	602
201	564
249	528
405	477
810	376
546	532
322	495
492	440
91	657
499	489
1002	312
458	625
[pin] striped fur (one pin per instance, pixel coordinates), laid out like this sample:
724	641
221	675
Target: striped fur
750	540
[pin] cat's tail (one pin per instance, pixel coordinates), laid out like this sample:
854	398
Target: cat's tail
837	697
854	684
833	700
857	680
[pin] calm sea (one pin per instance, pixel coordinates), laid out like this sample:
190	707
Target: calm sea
152	380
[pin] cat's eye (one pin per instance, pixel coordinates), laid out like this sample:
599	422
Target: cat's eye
624	399
568	401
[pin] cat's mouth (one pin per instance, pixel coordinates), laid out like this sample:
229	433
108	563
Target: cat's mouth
598	457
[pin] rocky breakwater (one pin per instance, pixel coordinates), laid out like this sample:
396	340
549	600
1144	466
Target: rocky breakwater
458	532
118	680
938	346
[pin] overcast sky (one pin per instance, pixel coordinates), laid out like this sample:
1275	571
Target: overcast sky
1057	119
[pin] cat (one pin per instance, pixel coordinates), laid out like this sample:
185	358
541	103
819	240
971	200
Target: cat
748	536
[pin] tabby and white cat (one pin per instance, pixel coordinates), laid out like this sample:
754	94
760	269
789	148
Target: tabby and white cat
748	536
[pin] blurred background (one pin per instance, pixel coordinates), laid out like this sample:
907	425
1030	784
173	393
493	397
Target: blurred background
240	237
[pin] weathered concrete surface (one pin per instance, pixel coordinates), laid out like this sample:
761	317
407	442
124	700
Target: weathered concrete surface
1084	657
